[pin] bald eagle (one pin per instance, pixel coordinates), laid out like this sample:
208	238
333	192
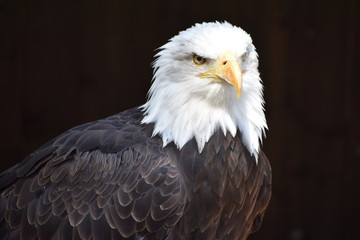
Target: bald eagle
185	165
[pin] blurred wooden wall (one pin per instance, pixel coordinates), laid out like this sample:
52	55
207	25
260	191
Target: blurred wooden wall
63	63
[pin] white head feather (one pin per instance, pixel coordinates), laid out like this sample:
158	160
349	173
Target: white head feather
183	106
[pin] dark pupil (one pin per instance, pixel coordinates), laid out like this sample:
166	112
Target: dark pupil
198	58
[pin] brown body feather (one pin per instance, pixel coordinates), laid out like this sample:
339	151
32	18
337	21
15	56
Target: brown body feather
110	179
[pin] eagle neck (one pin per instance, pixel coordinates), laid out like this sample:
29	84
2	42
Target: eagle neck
180	120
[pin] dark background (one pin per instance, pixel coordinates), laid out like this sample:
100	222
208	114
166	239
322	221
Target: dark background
63	63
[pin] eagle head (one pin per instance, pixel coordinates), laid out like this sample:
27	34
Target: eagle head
206	78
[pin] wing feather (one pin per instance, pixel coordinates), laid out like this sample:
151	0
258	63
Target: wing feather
95	181
83	227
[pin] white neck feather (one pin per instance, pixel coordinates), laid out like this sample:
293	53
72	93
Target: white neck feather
180	118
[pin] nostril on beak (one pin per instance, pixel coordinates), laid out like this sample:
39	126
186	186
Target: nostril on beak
224	62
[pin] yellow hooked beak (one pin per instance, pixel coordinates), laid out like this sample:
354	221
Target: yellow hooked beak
226	68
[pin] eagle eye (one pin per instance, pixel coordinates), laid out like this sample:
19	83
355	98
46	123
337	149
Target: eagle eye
243	57
198	60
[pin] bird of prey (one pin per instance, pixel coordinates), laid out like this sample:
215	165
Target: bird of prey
185	165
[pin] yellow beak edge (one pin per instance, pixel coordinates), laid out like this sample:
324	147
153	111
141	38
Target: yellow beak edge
226	68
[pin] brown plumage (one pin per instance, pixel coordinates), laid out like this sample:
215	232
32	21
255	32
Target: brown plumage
110	179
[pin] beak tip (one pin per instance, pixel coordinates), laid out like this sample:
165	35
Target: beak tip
238	95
